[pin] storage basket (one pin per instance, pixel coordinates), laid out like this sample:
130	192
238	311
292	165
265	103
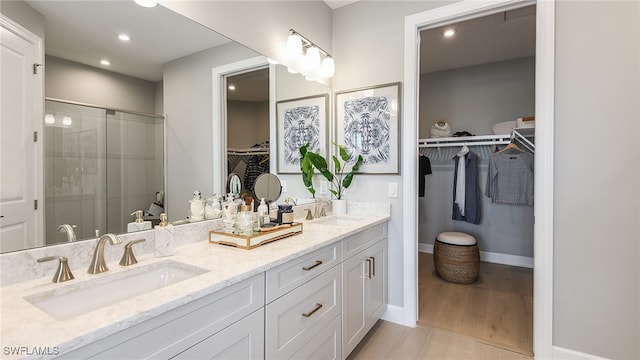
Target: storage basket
457	263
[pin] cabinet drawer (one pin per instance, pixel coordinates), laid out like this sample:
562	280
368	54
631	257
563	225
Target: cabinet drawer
171	333
242	340
288	276
295	319
362	240
327	344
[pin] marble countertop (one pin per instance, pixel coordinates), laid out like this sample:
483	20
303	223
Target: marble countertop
24	325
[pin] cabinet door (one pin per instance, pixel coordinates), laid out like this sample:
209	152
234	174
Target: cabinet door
376	286
242	340
354	320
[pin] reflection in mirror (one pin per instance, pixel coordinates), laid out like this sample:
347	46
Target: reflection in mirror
268	187
83	187
100	165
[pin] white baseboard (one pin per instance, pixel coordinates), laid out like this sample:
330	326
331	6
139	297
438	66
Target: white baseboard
566	354
395	314
496	258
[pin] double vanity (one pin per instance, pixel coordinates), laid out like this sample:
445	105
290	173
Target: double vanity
315	294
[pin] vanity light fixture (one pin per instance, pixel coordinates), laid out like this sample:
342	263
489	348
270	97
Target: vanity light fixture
124	37
105	62
146	3
310	64
449	33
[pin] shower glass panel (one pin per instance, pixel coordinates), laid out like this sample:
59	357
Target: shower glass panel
100	166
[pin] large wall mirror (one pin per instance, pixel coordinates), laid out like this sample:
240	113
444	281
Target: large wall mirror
150	75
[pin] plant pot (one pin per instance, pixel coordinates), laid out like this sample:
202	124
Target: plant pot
339	207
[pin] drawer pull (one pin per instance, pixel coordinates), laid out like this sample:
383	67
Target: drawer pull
318	307
373	265
369	263
307	268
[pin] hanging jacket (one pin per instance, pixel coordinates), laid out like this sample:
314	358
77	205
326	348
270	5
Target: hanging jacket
471	189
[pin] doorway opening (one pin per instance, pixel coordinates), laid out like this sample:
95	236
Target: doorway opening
477	77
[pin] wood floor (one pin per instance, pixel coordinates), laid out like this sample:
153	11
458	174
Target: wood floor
491	319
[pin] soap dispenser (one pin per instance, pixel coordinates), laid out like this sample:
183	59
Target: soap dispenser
263	213
164	237
139	224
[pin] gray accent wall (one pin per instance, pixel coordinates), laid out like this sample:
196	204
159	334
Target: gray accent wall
472	99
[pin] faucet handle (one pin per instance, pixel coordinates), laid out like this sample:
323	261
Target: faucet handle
128	258
309	216
63	273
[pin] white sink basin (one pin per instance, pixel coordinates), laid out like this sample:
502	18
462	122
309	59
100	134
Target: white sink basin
75	299
338	220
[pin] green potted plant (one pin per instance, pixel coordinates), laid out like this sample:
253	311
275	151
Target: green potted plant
340	180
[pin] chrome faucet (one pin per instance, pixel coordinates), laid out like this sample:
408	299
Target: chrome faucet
320	208
98	265
63	273
71	234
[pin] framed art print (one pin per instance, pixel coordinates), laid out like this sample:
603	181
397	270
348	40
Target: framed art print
368	124
300	121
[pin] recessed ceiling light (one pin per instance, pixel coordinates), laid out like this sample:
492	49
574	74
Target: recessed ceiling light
124	37
105	62
232	87
146	3
449	32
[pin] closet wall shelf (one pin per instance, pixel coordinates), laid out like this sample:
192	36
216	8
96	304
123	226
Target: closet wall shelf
464	140
249	151
522	136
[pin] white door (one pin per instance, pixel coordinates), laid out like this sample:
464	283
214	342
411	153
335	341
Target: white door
21	157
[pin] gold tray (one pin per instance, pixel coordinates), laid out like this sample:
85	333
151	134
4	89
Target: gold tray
252	241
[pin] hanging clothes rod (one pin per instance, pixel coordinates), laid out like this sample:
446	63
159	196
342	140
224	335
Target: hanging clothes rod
250	151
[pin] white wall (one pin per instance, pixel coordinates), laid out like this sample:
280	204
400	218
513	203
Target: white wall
25	15
597	178
188	107
261	25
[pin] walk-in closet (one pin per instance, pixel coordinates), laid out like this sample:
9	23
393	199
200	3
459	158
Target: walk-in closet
476	148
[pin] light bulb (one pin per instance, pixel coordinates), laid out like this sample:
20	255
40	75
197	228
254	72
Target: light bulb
294	46
49	119
328	67
105	62
312	59
449	32
124	37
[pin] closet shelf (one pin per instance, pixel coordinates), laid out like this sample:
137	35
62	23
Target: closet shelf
464	140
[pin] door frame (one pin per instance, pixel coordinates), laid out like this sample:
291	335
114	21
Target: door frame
544	132
219	111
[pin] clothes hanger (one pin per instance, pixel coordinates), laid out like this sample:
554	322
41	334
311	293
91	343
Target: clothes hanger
511	146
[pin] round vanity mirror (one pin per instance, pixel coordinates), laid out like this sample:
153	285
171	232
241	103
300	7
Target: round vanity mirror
267	186
234	185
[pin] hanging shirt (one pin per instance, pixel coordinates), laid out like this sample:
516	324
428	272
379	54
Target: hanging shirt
510	178
471	211
424	168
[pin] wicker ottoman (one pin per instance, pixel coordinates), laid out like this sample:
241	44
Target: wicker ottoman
456	257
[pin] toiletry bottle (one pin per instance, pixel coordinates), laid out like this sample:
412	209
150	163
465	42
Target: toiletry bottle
229	212
196	207
285	214
164	237
263	213
139	224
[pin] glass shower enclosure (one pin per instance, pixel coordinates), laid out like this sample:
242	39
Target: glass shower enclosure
100	166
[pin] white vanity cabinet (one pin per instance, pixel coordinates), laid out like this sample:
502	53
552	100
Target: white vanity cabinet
305	321
229	321
364	284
